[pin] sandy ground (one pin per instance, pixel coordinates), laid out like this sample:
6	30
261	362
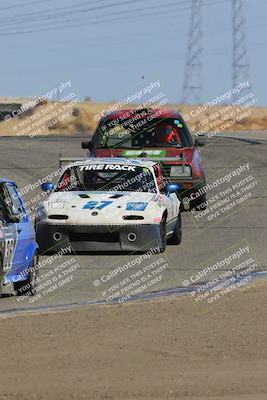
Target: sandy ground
165	349
82	118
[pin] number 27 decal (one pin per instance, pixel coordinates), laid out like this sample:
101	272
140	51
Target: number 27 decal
98	205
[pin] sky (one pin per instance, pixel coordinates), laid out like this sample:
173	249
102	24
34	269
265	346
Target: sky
109	48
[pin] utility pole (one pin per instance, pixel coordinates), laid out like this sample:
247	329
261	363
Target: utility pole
192	86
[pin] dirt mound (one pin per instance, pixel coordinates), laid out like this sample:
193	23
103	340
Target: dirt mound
82	118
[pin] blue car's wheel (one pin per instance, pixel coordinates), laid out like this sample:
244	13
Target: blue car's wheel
29	287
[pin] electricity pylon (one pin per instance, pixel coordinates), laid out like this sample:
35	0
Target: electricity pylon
192	86
240	52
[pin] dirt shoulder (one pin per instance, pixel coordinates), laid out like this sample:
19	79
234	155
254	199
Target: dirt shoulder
82	118
165	349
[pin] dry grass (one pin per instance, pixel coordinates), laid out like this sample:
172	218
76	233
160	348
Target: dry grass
80	118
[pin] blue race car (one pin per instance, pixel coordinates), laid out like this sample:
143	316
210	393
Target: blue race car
18	247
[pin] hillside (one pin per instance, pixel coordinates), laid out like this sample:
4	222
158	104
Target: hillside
81	118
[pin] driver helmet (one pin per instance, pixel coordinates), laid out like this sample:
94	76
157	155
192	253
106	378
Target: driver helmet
165	133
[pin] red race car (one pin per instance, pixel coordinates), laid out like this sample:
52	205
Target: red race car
158	134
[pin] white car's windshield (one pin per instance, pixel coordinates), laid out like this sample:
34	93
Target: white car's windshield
103	177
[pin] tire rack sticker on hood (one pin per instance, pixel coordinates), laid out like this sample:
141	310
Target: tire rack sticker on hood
107	167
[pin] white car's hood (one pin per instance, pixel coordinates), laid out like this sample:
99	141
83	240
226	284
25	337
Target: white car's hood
104	207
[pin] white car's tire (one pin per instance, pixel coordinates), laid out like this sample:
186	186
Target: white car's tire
1	276
176	237
163	234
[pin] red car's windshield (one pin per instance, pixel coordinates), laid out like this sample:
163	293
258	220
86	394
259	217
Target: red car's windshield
140	133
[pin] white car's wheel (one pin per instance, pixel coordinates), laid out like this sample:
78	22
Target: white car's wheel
163	234
176	237
1	276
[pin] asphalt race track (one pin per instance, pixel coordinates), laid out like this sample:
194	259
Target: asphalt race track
26	161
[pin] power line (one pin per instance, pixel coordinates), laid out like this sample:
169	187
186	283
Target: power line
172	4
37	13
61	11
29	3
96	21
91	22
74	10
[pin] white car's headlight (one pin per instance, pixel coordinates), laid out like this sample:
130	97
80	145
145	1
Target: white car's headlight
180	170
136	206
55	205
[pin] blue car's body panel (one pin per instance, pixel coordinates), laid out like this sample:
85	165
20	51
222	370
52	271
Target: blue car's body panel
20	238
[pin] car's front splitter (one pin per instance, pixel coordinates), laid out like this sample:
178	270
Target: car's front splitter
134	237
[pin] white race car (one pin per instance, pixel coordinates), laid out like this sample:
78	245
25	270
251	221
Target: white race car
107	204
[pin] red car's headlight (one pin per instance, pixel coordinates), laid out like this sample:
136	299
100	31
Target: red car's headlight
181	170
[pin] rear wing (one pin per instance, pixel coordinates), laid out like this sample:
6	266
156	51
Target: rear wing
160	159
69	160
